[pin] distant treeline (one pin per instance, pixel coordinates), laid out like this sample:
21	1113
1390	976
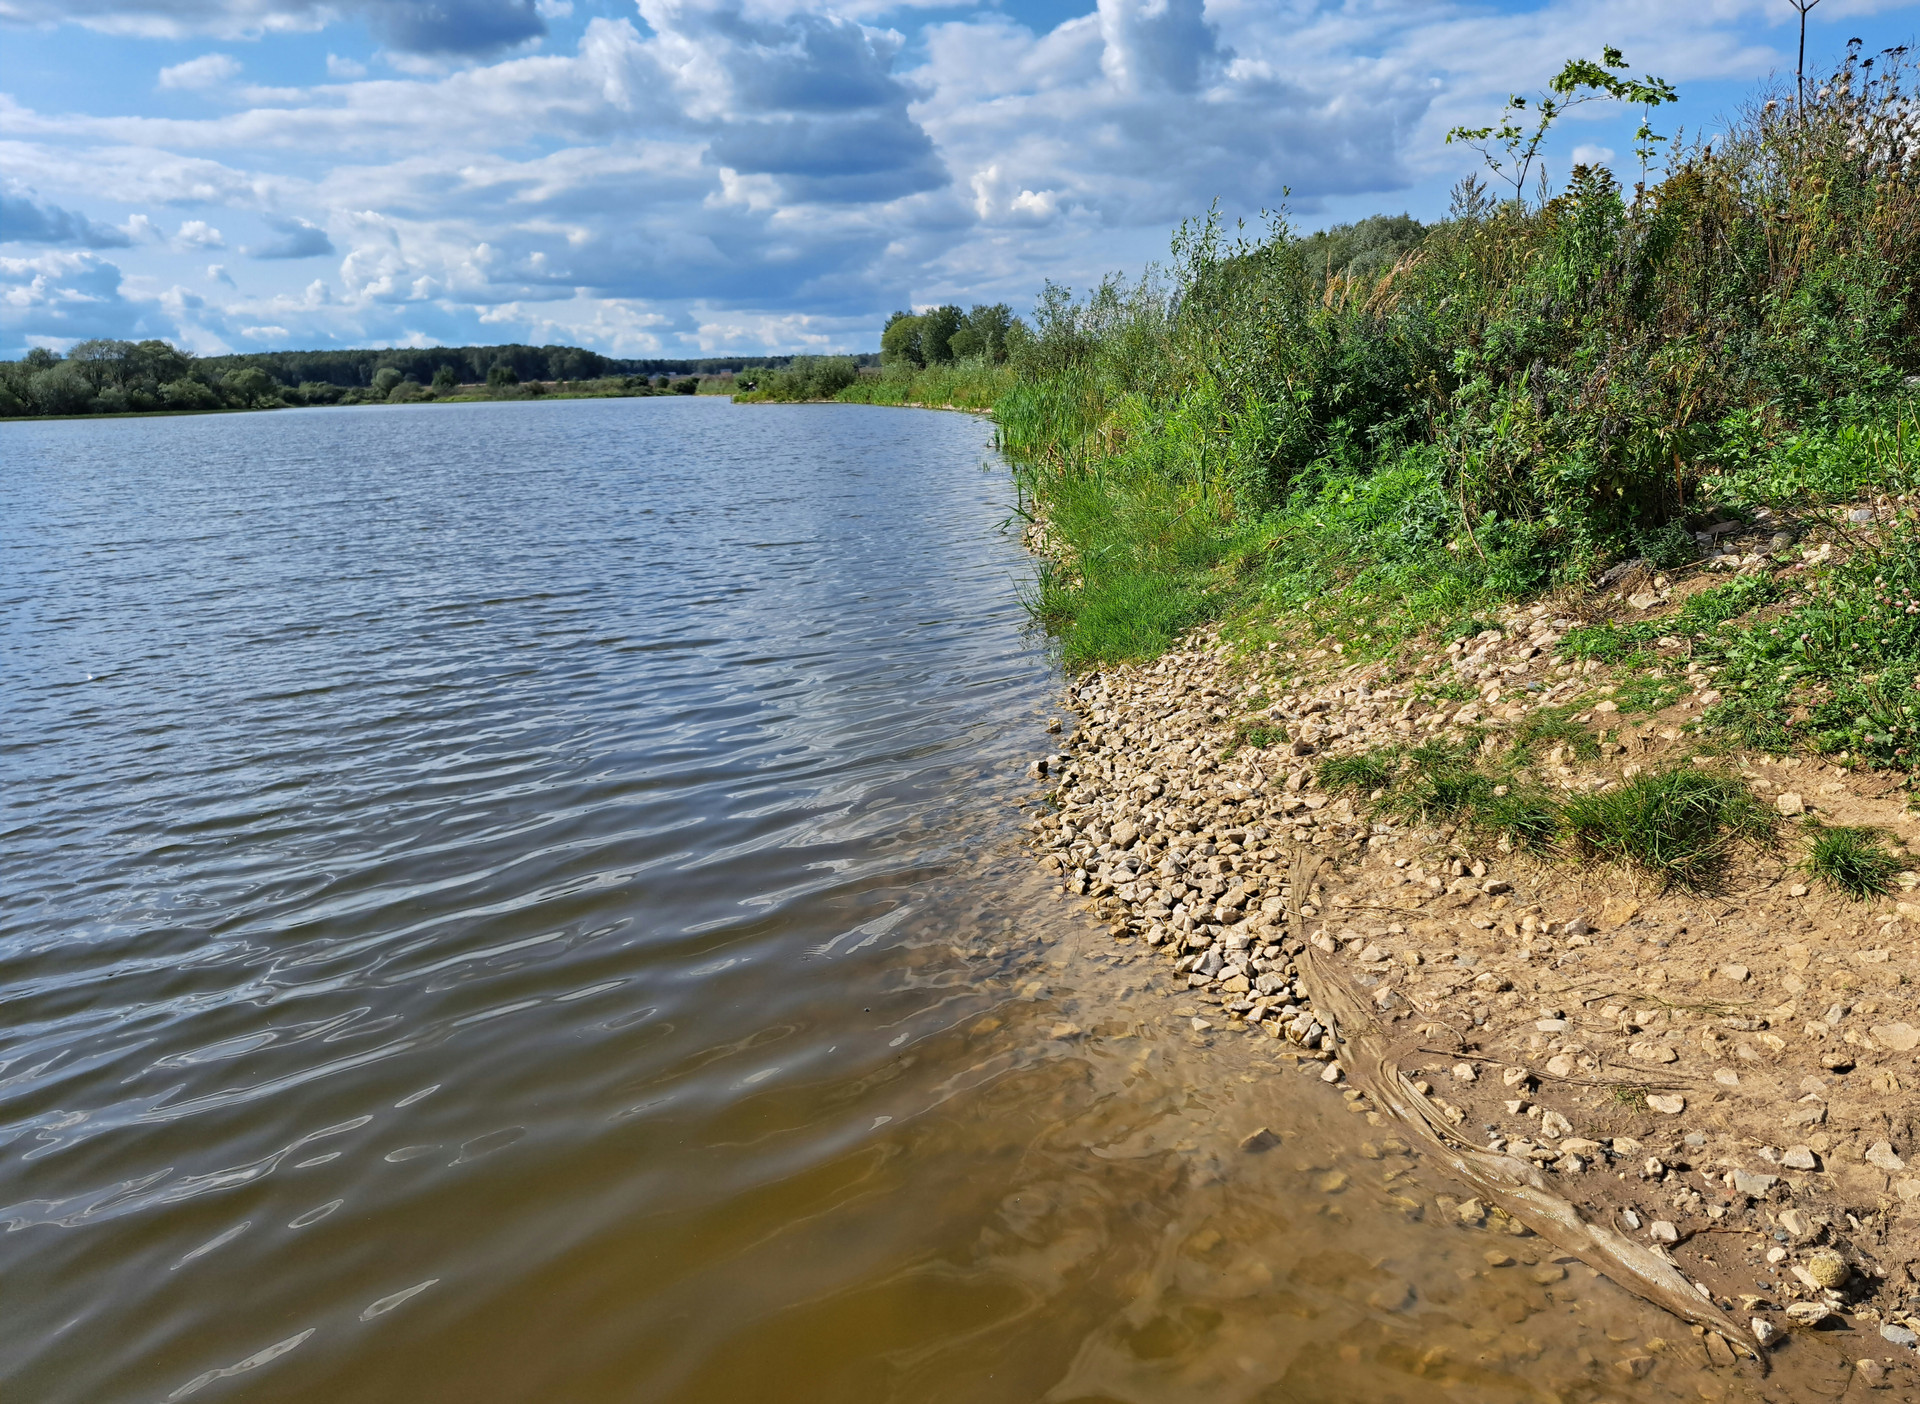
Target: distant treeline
120	377
471	365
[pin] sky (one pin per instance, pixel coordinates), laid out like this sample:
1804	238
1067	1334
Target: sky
685	178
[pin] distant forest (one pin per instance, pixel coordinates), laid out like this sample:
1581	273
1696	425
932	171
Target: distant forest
126	377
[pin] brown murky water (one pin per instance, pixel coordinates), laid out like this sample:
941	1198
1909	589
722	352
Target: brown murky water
520	903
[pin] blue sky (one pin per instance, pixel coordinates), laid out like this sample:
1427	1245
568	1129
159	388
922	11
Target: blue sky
692	177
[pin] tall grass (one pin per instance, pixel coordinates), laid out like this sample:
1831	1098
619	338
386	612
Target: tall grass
1493	406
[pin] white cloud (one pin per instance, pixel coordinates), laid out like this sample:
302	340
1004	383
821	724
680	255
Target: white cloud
207	71
775	172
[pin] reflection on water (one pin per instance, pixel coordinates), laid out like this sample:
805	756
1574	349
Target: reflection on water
519	902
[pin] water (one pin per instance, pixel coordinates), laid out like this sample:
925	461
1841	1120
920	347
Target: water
521	902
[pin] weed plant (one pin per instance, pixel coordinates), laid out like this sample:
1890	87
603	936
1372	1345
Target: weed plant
1855	861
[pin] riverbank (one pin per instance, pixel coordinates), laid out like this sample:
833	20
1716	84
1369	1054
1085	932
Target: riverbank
1718	1070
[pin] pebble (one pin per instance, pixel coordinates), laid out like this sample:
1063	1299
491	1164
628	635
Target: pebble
1764	1331
1809	1313
1756	1185
1667	1105
1900	1335
1261	1140
1799	1158
1652	1053
1663	1232
1790	804
1880	1155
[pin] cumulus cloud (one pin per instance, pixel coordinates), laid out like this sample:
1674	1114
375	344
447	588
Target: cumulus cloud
207	71
294	238
715	173
62	297
24	220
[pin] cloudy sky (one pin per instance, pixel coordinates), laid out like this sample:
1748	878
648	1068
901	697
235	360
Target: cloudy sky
692	177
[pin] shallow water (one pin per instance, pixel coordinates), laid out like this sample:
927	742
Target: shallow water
521	902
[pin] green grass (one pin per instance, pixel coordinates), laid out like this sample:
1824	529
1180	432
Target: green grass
1540	731
1679	826
1855	861
1359	774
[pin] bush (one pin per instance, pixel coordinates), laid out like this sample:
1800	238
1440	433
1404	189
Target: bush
1386	425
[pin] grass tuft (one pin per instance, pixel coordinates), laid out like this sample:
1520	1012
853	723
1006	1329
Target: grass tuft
1359	774
1676	825
1855	861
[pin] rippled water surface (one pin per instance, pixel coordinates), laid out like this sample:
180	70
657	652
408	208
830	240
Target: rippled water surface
520	902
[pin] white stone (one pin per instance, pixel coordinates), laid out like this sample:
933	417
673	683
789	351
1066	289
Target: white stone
1663	1232
1880	1155
1789	803
1667	1105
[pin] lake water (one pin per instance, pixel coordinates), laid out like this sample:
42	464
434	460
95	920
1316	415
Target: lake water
522	902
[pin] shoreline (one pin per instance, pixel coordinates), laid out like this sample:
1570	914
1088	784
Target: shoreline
1721	1081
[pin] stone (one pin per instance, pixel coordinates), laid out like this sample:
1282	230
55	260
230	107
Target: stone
1332	1074
1800	1158
1880	1155
1726	1077
1795	1223
1764	1331
1900	1335
1667	1105
1464	1072
1719	1352
1736	973
1261	1140
1871	1372
1663	1232
1553	1125
1473	1213
1790	803
1756	1185
1560	1065
1809	1313
1898	1038
1652	1053
1513	1077
1551	1026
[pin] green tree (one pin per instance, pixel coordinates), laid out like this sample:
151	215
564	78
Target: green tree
983	333
900	341
936	334
1510	149
251	386
384	380
445	379
502	374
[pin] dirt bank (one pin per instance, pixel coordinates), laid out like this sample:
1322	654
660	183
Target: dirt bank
1725	1074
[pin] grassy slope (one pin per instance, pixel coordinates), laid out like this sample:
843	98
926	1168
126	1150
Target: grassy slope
1361	460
